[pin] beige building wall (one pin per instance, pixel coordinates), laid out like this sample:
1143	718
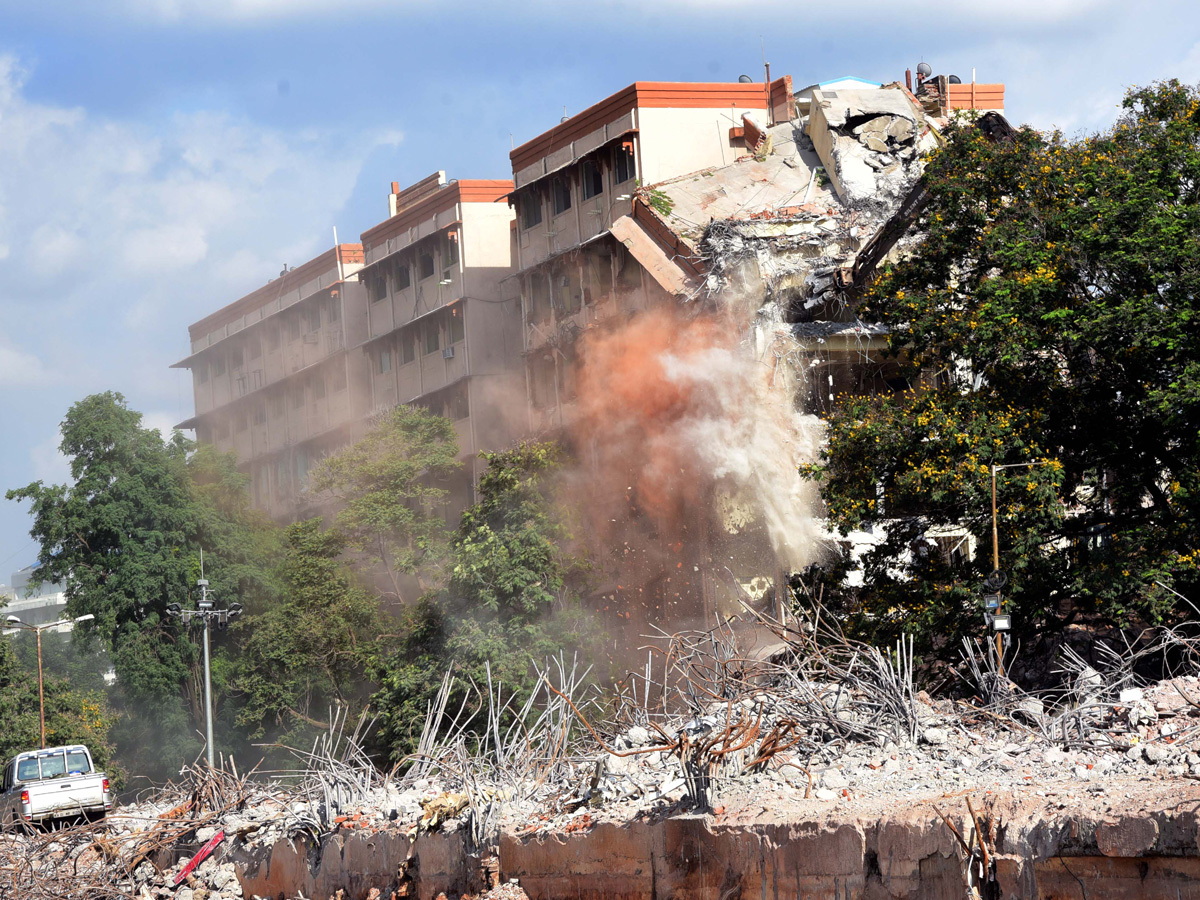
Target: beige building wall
674	142
440	332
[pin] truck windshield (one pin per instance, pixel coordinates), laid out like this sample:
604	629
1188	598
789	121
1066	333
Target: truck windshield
53	765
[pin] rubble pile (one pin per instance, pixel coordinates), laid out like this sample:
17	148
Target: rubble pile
757	709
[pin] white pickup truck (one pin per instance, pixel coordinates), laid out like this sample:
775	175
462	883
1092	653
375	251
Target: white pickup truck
55	783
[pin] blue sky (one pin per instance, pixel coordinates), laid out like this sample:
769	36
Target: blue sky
160	158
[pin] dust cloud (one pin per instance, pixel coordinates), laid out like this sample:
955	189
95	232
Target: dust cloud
678	422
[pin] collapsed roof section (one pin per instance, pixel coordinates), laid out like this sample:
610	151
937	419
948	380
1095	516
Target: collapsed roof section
818	202
787	235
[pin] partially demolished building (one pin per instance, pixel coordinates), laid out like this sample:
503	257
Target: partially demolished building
472	297
583	254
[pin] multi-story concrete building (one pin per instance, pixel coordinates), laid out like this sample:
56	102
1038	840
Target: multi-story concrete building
276	379
581	254
439	332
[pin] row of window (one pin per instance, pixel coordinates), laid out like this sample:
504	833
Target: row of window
566	286
426	336
294	324
402	271
590	174
317	387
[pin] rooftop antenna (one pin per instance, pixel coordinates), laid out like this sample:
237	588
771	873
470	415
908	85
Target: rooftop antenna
767	78
564	115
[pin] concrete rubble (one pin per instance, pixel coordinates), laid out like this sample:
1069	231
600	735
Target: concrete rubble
764	737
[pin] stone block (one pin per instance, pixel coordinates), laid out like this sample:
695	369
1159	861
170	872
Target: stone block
1128	836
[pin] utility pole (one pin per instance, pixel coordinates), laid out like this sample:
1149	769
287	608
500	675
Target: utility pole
208	614
14	622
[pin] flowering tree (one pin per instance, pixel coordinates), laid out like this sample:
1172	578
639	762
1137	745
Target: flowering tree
1049	314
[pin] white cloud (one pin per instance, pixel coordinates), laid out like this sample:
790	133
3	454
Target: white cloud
49	464
163	422
20	368
148	225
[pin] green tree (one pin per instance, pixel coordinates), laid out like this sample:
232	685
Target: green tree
1048	314
308	651
119	539
510	598
392	487
125	538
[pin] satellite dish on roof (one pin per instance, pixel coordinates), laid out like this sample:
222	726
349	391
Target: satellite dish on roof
924	69
954	79
744	79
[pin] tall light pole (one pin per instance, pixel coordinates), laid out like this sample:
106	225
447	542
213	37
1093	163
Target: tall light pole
206	612
997	578
14	622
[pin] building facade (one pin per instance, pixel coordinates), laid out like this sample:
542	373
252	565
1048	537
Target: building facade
276	378
440	333
581	253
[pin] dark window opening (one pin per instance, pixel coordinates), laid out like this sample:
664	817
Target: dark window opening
425	264
401	277
623	167
408	348
531	209
539	298
592	178
560	193
433	337
458	329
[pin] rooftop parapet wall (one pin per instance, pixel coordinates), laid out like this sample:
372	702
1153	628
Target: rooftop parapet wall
570	141
302	281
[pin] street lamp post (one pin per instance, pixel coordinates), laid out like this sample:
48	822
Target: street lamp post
14	622
206	612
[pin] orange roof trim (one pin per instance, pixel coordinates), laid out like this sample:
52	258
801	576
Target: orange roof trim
476	190
645	94
348	253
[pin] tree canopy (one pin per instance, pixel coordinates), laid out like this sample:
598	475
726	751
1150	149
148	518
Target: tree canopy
125	537
72	716
309	651
392	485
509	599
1047	315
